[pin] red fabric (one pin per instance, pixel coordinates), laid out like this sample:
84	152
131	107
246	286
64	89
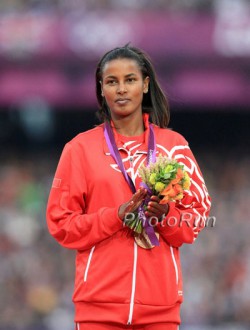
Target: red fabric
110	326
116	280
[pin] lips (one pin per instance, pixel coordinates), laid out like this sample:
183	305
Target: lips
122	101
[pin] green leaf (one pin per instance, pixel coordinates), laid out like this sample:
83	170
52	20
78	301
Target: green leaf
167	175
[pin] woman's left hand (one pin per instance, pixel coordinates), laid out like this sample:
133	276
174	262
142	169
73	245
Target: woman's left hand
155	209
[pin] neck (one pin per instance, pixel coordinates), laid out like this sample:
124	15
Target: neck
129	127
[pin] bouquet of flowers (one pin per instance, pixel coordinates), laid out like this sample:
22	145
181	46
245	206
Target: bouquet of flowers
165	178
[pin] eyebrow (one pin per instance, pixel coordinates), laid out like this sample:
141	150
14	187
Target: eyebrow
127	76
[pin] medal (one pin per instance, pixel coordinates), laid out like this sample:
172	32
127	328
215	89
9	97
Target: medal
143	240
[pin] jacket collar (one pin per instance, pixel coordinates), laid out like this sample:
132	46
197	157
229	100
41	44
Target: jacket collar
143	147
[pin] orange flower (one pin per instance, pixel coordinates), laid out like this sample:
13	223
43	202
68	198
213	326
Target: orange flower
172	191
165	200
179	176
178	189
168	193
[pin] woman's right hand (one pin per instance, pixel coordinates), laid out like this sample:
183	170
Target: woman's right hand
133	204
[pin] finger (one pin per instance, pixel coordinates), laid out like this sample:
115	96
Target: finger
131	206
141	193
135	200
155	209
139	196
155	199
134	204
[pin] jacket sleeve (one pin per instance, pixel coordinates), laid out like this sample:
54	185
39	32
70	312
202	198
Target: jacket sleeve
66	214
187	217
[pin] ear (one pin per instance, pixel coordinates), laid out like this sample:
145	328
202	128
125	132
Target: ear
145	85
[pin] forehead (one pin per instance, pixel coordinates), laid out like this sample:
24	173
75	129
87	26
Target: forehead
121	66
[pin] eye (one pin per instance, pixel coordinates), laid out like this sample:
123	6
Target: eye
131	80
111	82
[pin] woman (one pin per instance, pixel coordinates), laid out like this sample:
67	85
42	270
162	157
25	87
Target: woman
120	284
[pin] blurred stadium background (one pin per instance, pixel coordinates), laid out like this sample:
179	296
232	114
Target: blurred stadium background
48	53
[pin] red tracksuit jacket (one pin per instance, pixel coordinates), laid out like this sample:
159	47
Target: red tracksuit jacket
115	279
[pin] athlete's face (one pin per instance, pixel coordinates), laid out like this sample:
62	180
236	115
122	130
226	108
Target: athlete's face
123	87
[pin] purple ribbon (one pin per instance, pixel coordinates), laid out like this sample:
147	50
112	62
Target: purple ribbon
110	139
151	157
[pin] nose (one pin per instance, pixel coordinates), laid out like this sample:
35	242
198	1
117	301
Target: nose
121	88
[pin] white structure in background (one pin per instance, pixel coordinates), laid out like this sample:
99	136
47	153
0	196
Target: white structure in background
232	27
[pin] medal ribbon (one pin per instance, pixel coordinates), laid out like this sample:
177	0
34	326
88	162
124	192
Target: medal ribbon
151	157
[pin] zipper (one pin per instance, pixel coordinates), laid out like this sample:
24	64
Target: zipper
132	299
175	264
88	264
